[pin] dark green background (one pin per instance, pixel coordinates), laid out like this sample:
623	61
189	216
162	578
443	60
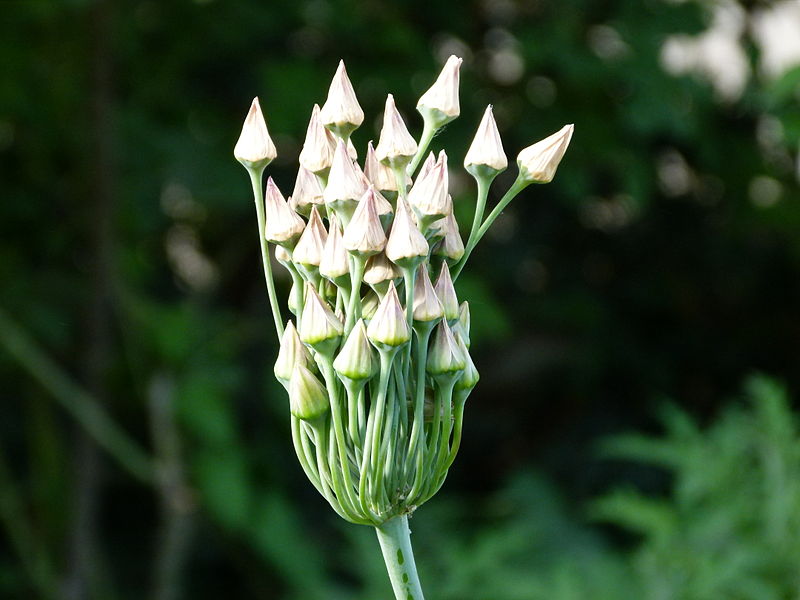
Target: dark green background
129	256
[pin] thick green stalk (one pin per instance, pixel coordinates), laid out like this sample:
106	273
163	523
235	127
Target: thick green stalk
255	179
395	540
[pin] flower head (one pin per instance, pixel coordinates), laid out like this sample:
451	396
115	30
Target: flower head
396	147
341	112
487	147
538	163
440	102
282	226
255	149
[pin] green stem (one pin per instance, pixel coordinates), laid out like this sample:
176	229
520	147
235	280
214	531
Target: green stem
255	179
395	540
354	306
428	131
480	207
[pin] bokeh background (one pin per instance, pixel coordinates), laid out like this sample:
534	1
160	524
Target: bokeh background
636	322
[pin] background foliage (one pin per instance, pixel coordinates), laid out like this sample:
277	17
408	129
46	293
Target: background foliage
144	449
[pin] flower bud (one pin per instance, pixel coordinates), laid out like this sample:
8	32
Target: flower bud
311	245
538	163
308	399
440	102
429	195
291	353
283	256
463	323
364	235
335	264
444	356
388	327
356	359
451	247
380	270
341	112
307	192
254	149
427	307
469	378
486	152
345	185
319	327
447	293
429	163
317	152
396	147
283	226
369	305
406	246
384	209
377	173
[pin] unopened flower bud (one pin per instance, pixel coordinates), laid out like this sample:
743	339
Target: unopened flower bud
255	149
451	247
377	173
317	152
345	185
319	327
429	195
429	163
291	353
282	255
538	163
396	147
369	305
446	293
406	246
469	378
308	399
307	192
311	245
388	327
335	264
356	359
341	112
486	156
444	356
364	235
464	322
440	102
380	271
384	209
283	226
427	307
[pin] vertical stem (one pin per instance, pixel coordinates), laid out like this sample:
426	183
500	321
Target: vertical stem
395	540
428	131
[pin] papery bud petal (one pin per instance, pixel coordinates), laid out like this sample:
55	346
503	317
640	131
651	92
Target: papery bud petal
538	163
282	225
444	356
335	263
388	327
291	353
341	112
356	359
318	148
464	322
429	195
446	293
469	378
311	245
427	307
364	235
344	181
430	162
369	306
380	269
319	327
307	192
440	102
377	173
452	246
308	399
396	147
406	245
255	149
487	147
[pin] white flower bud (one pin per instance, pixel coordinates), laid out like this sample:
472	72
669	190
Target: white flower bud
388	327
335	264
319	327
429	163
345	184
377	173
406	246
311	245
255	149
538	163
307	192
444	356
317	152
291	353
356	360
446	293
396	147
369	305
282	225
464	322
427	307
451	248
308	399
440	102
380	269
341	112
487	147
364	235
469	378
282	255
429	195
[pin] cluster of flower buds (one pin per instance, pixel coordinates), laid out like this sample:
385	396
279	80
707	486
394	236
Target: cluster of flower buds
376	361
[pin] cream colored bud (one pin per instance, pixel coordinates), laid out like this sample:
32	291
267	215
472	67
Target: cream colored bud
307	192
396	147
308	399
429	195
282	226
341	112
255	149
380	270
291	353
487	147
369	305
364	235
440	102
464	322
451	247
384	209
444	356
446	293
311	245
318	148
429	163
319	327
538	163
356	359
427	307
406	246
335	264
344	181
377	173
282	255
469	378
388	327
